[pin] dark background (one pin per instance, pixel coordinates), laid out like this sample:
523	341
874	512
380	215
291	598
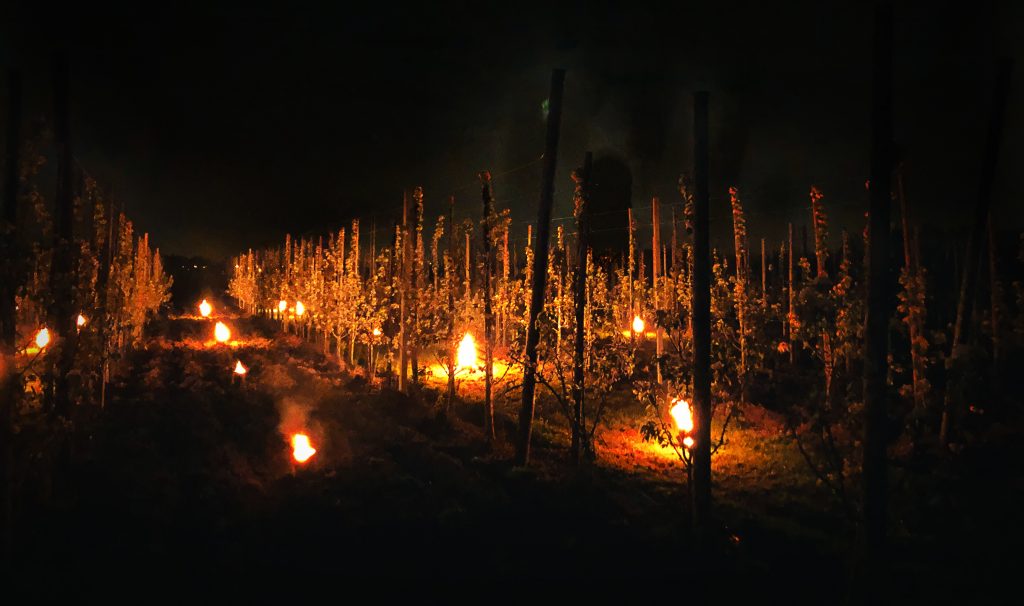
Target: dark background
222	126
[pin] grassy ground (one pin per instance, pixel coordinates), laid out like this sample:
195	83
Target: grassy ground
185	483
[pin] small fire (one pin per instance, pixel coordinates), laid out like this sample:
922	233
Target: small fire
302	450
221	332
81	320
43	338
688	442
682	415
205	309
282	305
299	308
239	369
638	324
466	356
376	332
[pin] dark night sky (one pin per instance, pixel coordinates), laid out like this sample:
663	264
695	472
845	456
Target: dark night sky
222	127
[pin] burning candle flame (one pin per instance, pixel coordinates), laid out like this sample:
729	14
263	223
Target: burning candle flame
221	332
302	450
239	369
299	308
43	338
682	415
638	324
81	320
205	309
466	356
282	305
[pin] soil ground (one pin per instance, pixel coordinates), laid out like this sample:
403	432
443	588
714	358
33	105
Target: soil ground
184	485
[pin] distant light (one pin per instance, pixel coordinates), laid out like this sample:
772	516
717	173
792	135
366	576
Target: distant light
239	369
81	320
299	308
376	332
205	309
282	305
638	324
43	338
688	442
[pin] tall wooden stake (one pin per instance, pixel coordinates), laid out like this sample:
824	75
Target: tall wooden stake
878	304
63	313
10	386
981	210
701	312
582	179
656	267
540	264
487	226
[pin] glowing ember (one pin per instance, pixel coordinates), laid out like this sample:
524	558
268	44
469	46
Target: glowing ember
638	324
221	332
43	338
81	320
282	305
466	356
239	369
205	309
302	450
299	308
682	415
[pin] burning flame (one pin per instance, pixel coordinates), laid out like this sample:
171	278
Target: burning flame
638	324
682	415
282	305
239	369
302	450
221	333
81	320
205	309
376	332
466	356
43	338
299	308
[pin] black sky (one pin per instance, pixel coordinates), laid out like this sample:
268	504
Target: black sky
223	126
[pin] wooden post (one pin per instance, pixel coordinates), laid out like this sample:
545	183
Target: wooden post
403	329
911	270
449	276
792	296
10	385
656	268
540	264
487	226
415	275
764	273
63	313
701	312
969	283
579	430
878	304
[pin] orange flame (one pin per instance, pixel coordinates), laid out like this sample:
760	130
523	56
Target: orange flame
376	332
302	450
80	322
638	324
466	356
239	369
43	338
682	415
282	305
221	332
205	309
299	308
